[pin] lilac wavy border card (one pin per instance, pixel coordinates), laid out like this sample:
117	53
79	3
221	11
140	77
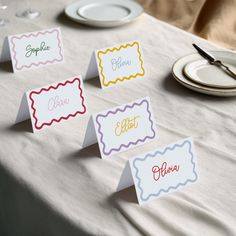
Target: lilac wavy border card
36	49
164	170
124	127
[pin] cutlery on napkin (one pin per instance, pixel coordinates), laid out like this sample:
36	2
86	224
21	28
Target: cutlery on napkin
213	61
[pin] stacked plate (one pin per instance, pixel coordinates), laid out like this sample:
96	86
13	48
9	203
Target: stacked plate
198	74
104	13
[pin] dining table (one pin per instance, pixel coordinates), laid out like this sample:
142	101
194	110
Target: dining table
51	185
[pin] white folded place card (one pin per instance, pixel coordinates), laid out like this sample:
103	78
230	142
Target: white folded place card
121	128
117	64
34	49
161	171
53	103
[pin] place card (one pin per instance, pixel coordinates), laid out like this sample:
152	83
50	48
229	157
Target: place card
53	103
161	171
117	64
121	128
34	49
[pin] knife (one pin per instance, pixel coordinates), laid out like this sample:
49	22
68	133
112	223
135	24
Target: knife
213	61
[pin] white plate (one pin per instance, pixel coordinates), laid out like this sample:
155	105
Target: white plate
202	72
178	67
104	13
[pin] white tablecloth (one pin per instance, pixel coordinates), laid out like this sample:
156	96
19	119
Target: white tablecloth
49	186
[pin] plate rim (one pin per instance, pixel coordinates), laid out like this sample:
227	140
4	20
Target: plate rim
107	21
103	24
201	88
187	74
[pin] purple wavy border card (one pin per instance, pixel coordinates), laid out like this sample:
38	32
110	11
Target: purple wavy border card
164	170
35	49
124	127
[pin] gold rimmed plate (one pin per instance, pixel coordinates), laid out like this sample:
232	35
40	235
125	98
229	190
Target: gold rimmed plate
202	72
178	73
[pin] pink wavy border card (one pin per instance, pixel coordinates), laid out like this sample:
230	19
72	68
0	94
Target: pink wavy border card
56	102
124	127
36	49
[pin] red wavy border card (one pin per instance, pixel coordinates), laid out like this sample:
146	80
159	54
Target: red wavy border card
35	49
121	128
56	102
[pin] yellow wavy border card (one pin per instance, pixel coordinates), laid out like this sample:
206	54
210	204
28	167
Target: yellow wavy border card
120	63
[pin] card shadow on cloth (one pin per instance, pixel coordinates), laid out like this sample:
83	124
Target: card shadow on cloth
127	195
6	66
94	82
24	126
87	152
21	207
171	85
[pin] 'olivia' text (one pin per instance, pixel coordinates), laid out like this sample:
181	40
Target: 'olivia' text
164	170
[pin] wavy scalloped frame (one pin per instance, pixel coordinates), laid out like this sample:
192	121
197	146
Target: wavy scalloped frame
123	78
61	118
130	143
40	62
162	153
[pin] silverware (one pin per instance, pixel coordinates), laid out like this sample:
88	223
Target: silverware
213	61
